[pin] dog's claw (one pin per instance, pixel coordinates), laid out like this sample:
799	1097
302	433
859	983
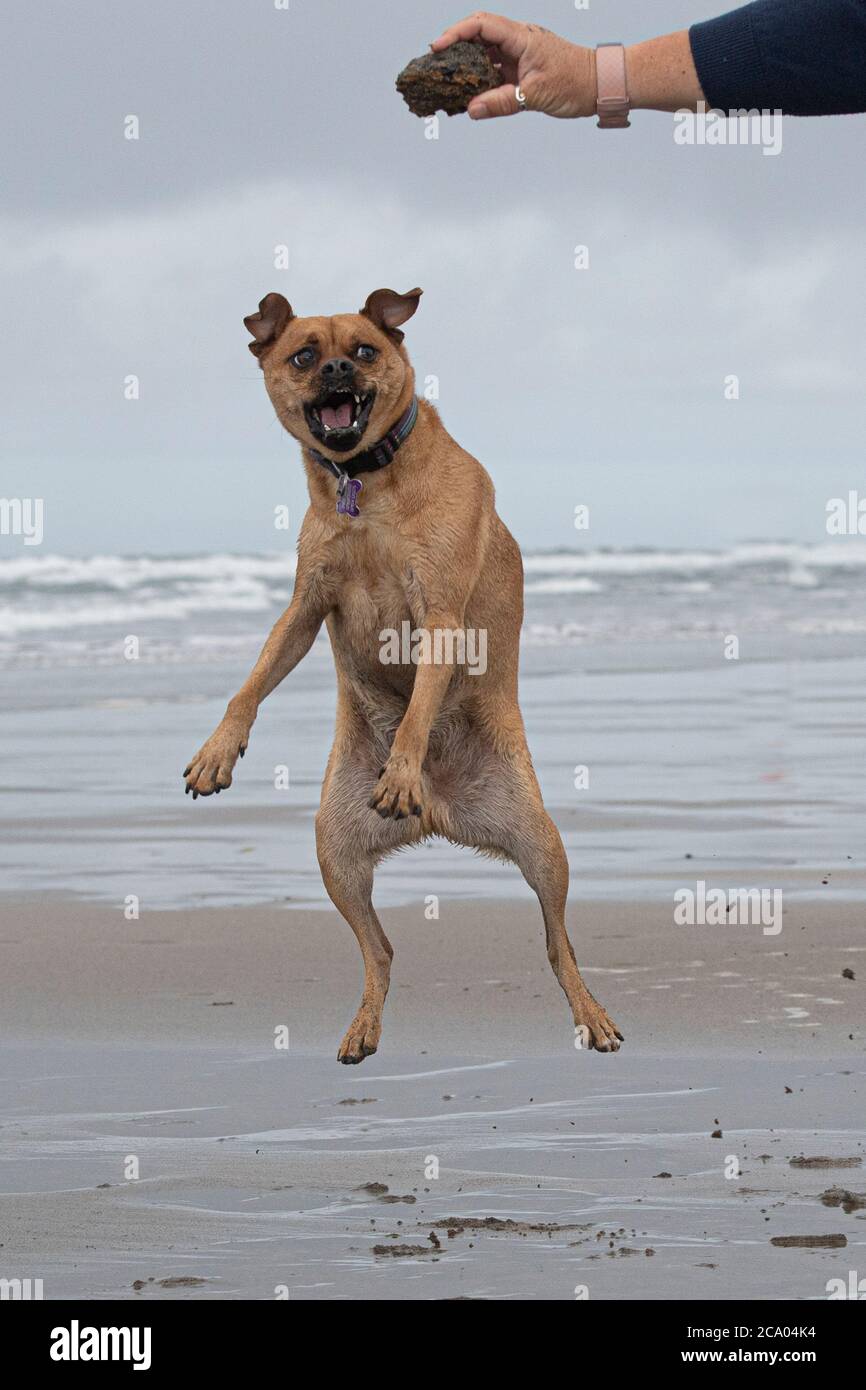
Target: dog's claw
210	771
361	1040
598	1029
396	793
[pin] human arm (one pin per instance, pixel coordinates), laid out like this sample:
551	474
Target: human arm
803	57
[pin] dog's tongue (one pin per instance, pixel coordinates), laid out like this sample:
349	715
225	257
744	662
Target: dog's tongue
337	417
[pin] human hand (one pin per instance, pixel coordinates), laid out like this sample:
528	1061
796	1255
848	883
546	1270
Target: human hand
551	75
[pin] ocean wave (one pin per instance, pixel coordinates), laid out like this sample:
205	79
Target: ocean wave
777	556
125	572
15	621
49	594
578	584
41	593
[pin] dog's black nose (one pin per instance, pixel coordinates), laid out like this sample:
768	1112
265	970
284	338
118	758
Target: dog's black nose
338	371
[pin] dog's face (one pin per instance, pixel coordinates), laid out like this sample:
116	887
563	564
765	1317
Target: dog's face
336	382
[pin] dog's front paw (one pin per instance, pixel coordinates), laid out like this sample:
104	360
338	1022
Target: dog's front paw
210	771
398	790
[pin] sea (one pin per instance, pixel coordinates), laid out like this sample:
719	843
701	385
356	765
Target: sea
692	713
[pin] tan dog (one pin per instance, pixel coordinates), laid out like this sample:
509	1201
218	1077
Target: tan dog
431	745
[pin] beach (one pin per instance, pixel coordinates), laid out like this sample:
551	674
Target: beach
175	983
269	1172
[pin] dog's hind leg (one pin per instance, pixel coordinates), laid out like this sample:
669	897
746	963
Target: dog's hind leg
350	887
350	839
540	855
505	814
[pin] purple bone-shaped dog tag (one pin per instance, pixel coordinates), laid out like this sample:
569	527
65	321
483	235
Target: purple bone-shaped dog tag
347	493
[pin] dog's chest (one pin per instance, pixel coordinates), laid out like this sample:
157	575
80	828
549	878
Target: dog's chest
372	602
378	592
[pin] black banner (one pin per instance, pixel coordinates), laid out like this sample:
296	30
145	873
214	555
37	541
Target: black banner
230	1337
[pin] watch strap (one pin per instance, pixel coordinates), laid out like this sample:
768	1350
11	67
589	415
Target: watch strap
612	103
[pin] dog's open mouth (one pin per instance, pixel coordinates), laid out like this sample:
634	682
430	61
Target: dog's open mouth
340	418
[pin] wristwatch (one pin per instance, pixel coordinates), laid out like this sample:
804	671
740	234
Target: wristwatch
612	102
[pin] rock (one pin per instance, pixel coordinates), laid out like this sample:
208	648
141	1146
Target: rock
447	81
841	1197
833	1242
821	1161
401	1251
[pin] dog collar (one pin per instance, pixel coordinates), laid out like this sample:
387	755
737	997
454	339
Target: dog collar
379	456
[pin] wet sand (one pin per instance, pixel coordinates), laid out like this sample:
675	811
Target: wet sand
148	1046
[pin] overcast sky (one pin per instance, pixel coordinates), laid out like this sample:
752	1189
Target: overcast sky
261	127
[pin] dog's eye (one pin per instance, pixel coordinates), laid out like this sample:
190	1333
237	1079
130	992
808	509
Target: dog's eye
366	353
302	358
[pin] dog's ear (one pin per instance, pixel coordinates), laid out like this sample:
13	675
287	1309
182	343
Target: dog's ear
388	309
275	312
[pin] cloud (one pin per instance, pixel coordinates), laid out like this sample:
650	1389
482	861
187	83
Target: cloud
503	278
536	360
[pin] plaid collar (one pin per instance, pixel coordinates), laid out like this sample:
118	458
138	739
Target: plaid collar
379	456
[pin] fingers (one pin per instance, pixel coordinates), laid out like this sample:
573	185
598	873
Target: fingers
507	34
502	101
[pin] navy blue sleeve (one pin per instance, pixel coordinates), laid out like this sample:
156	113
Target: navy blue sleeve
804	57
